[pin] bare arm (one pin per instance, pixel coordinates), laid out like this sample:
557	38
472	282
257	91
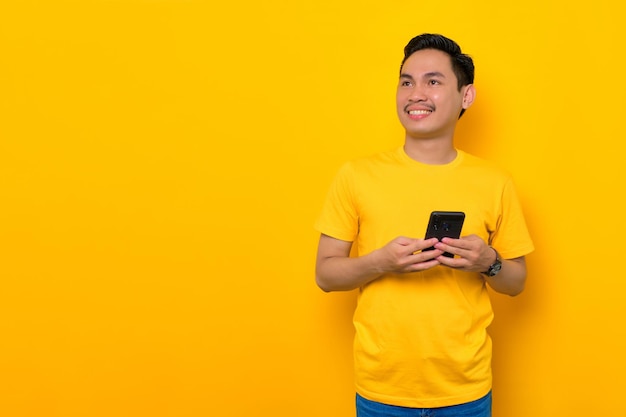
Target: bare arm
511	279
475	255
335	270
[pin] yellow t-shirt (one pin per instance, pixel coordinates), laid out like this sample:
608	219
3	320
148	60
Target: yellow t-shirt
421	338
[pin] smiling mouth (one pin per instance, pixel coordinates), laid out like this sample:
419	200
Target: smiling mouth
419	112
413	109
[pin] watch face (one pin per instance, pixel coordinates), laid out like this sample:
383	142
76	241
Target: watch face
495	269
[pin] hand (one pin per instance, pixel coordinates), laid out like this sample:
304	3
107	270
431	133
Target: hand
473	253
404	254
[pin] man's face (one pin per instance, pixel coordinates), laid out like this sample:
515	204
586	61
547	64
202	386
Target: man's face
428	99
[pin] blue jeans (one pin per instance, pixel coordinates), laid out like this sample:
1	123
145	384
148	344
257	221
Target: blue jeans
478	408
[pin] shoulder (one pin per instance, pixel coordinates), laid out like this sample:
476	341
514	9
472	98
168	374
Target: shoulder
380	160
484	167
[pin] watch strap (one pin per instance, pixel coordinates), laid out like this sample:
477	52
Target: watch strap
495	267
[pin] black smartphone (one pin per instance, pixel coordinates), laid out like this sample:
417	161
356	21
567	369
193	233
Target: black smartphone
445	224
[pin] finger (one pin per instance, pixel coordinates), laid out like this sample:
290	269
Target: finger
421	244
456	263
446	247
460	259
403	240
462	250
466	242
457	243
425	255
422	266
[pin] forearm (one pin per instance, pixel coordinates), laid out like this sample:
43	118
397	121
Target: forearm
345	273
511	279
336	271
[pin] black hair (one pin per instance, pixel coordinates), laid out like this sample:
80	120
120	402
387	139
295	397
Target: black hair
462	64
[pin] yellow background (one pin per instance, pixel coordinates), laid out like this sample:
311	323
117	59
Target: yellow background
162	163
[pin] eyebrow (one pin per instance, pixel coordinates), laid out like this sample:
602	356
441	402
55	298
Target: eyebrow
427	75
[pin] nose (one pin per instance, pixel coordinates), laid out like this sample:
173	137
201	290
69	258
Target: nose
417	94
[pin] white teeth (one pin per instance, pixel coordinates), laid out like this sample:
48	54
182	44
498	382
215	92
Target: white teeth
416	112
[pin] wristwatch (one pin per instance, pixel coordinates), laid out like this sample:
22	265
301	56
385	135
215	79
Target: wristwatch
495	267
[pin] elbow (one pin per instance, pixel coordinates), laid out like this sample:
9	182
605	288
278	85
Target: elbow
325	289
324	279
508	287
516	290
322	284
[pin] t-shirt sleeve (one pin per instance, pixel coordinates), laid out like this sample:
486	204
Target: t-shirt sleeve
339	216
511	237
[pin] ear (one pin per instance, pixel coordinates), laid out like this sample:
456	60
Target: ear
469	94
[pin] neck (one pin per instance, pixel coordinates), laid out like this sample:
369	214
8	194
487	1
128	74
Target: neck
431	152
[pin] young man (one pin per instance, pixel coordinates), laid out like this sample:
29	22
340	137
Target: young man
421	318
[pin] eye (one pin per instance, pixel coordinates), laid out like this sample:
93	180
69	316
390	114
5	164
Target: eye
433	82
405	83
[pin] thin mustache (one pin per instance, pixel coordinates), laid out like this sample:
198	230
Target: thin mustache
427	106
